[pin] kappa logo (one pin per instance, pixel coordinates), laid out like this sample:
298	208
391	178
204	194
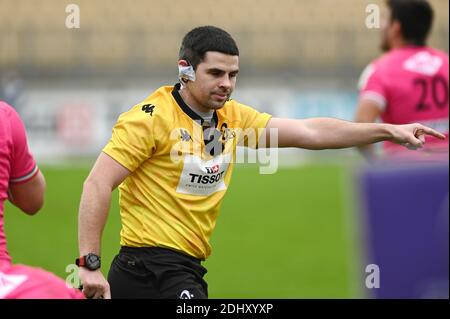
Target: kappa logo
213	169
185	136
185	294
148	108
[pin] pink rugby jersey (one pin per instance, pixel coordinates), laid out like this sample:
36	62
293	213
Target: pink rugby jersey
18	166
24	282
410	84
16	163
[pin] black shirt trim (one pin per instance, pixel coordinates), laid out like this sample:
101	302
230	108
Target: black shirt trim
186	109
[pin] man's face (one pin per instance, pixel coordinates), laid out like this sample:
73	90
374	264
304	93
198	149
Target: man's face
215	80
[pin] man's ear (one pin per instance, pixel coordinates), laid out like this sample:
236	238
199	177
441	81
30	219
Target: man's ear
185	72
183	63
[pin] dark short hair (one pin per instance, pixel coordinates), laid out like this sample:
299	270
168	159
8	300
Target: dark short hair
415	17
200	40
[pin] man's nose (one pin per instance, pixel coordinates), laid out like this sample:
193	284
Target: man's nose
225	82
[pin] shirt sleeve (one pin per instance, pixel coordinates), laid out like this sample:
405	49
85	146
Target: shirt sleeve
253	124
23	166
371	86
132	141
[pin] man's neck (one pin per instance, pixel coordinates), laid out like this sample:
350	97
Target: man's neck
397	44
400	43
192	103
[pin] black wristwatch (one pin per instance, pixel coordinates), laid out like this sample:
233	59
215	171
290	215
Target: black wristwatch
90	261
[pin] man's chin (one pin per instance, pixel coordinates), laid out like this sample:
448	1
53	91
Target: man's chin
216	105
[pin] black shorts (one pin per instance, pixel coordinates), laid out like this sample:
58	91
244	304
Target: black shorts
156	273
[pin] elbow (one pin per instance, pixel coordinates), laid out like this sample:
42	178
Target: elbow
90	183
314	142
323	141
32	205
35	202
95	184
311	139
29	196
33	209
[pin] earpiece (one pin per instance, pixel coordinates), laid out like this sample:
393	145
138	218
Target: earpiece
185	72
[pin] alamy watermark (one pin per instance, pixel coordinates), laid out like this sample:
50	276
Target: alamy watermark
373	17
73	17
72	279
261	145
373	277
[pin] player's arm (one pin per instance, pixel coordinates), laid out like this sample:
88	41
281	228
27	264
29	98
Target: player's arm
329	133
28	195
367	111
27	184
104	177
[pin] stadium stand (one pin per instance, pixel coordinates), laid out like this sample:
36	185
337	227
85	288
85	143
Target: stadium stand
115	35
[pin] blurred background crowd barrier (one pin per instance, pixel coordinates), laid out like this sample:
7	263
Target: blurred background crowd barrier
142	37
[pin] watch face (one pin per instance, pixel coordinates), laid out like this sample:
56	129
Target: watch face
92	261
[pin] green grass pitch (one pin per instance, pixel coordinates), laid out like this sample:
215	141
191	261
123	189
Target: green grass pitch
286	235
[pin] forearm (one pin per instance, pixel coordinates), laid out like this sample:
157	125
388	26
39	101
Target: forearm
94	208
329	133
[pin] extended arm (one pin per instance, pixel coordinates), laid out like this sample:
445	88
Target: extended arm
329	133
27	184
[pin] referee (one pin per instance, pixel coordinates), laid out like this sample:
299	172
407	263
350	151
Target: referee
172	158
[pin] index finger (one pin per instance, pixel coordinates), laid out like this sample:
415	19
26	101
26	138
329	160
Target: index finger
430	131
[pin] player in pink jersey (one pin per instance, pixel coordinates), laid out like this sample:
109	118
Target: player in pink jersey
410	82
23	184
